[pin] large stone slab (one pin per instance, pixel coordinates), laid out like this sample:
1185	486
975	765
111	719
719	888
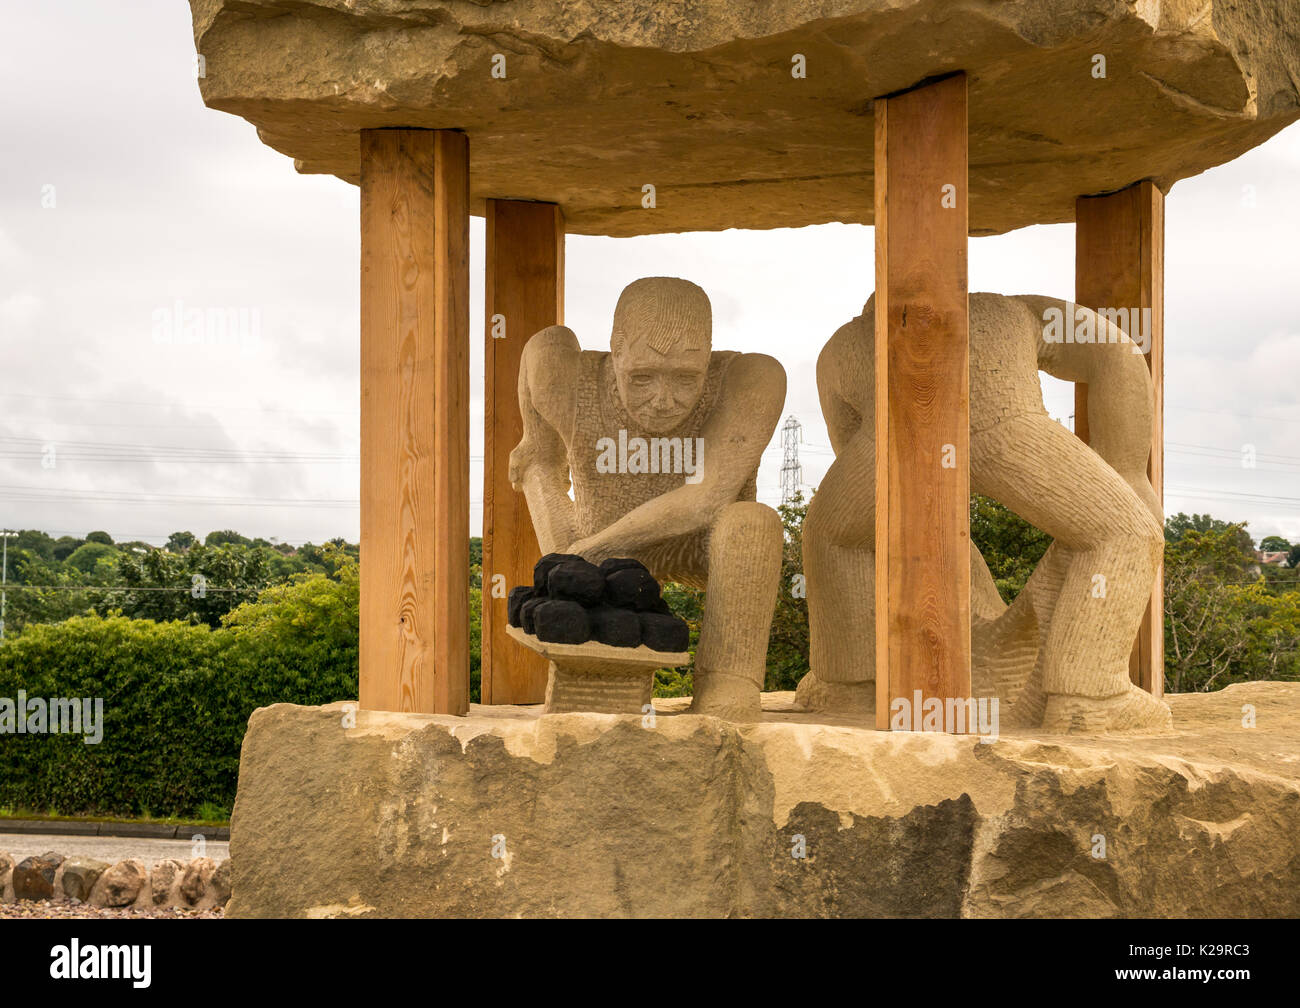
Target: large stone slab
507	813
699	100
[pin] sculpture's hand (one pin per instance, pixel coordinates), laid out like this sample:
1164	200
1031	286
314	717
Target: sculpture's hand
520	459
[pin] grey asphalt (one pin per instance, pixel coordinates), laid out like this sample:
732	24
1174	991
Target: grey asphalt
111	849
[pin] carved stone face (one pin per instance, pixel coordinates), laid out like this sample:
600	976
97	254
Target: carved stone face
659	390
663	330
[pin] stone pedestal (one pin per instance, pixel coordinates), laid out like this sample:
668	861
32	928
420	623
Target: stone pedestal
512	813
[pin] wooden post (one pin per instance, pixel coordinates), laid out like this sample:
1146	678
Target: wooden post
922	398
414	421
525	293
1120	263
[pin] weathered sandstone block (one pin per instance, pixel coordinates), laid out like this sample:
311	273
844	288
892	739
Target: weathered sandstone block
34	876
164	879
80	875
702	100
120	885
194	883
507	813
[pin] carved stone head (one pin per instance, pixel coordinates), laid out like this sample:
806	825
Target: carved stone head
662	339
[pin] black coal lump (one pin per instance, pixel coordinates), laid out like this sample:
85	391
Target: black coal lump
576	581
562	622
660	606
542	569
609	566
526	612
518	596
664	633
631	588
616	627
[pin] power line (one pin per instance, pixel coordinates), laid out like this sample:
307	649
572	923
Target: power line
1231	413
112	451
186	588
158	404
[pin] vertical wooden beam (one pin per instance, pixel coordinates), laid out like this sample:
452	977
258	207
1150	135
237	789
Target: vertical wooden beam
525	293
922	397
414	421
1120	263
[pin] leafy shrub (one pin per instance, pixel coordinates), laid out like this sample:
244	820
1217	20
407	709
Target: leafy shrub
176	697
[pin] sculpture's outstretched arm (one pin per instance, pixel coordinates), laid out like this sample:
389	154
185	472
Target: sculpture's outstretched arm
728	451
539	466
1120	394
846	382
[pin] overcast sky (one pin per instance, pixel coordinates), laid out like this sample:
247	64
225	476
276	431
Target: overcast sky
122	195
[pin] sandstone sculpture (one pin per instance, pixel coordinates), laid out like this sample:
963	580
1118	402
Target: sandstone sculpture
1058	657
708	103
661	439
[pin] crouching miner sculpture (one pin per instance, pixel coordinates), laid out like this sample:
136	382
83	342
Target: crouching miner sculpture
661	438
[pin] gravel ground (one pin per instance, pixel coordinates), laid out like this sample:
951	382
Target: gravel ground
70	910
110	849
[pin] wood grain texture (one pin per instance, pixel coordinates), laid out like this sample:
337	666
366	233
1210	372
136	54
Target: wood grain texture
414	653
1120	263
922	397
524	285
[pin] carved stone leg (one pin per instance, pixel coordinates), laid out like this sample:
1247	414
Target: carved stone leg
839	560
1111	544
744	576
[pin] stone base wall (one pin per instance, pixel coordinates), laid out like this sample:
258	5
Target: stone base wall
506	813
199	884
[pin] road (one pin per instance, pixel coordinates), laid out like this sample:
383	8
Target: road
111	849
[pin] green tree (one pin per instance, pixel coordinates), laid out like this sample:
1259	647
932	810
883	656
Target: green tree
688	603
1010	545
1177	525
86	558
787	646
198	586
65	546
1274	544
33	541
179	542
223	537
99	537
1222	623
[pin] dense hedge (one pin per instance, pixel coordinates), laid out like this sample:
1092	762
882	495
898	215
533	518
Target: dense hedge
177	698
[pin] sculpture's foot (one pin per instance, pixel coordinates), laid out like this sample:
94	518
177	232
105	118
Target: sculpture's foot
1134	710
813	694
730	697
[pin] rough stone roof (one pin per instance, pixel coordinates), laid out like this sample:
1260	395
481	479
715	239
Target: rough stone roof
697	97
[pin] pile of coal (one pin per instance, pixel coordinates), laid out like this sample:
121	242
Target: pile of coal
572	601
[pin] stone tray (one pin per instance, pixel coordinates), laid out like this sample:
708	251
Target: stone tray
597	677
